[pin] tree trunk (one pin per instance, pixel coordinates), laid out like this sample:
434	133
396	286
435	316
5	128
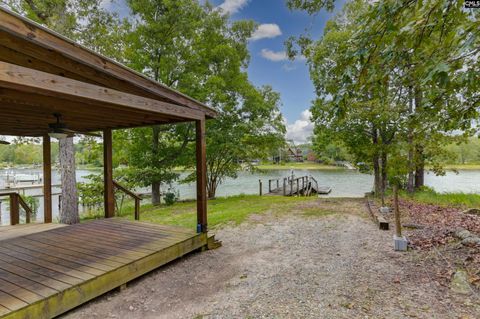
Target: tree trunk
156	193
420	169
376	165
411	150
420	161
211	188
384	175
155	184
69	202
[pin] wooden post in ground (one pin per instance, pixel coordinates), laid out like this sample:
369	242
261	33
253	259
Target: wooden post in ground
47	180
14	209
260	187
109	199
291	186
277	183
269	185
398	225
201	154
284	186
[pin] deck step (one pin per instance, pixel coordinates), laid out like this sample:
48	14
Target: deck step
213	243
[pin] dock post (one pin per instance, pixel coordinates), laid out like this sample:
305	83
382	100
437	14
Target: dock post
291	186
298	187
284	187
277	183
269	185
260	186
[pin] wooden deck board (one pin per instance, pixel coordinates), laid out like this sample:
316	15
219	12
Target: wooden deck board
45	272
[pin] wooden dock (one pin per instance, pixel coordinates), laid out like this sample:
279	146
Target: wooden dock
291	186
48	269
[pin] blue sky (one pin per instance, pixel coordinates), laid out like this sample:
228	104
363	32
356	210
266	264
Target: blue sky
268	62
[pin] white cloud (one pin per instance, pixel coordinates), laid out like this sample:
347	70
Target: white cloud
274	56
301	129
266	31
233	6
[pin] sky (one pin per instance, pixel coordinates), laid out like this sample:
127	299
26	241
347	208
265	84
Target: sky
269	65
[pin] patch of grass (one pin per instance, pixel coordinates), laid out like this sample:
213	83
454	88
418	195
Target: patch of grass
429	196
221	211
304	165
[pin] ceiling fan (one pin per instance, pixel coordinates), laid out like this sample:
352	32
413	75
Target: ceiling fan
60	130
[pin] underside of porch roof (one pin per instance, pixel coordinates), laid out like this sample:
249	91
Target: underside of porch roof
43	73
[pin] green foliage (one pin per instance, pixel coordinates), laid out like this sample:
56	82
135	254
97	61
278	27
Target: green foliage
33	203
311	6
394	80
170	197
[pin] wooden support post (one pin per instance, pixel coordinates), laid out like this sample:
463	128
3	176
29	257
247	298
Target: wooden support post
137	209
201	152
284	186
109	200
291	186
298	187
14	209
277	183
47	180
260	186
269	185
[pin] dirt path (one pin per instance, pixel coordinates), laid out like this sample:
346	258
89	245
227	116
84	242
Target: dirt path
309	263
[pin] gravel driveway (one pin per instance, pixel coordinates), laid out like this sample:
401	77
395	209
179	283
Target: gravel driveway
323	259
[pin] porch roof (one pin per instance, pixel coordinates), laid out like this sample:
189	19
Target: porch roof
42	73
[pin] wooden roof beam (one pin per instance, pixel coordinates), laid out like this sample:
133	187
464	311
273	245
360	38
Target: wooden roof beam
28	80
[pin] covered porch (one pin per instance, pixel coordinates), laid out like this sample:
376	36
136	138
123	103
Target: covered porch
47	269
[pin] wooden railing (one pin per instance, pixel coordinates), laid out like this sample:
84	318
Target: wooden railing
17	201
137	198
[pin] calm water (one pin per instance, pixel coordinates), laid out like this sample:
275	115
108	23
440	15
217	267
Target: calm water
346	183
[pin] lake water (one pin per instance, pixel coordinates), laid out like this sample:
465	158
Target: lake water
344	183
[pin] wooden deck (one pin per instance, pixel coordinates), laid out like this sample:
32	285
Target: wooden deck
48	269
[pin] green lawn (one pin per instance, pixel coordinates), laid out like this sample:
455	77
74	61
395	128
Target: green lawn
221	211
304	165
446	199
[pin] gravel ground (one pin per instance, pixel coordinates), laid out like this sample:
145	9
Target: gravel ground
323	259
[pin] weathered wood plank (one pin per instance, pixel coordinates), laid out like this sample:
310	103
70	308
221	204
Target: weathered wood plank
11	302
50	263
25	283
33	276
18	292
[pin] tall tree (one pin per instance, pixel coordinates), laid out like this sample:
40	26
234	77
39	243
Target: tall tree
197	50
410	77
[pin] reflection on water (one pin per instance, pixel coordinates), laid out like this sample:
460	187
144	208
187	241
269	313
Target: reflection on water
348	183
